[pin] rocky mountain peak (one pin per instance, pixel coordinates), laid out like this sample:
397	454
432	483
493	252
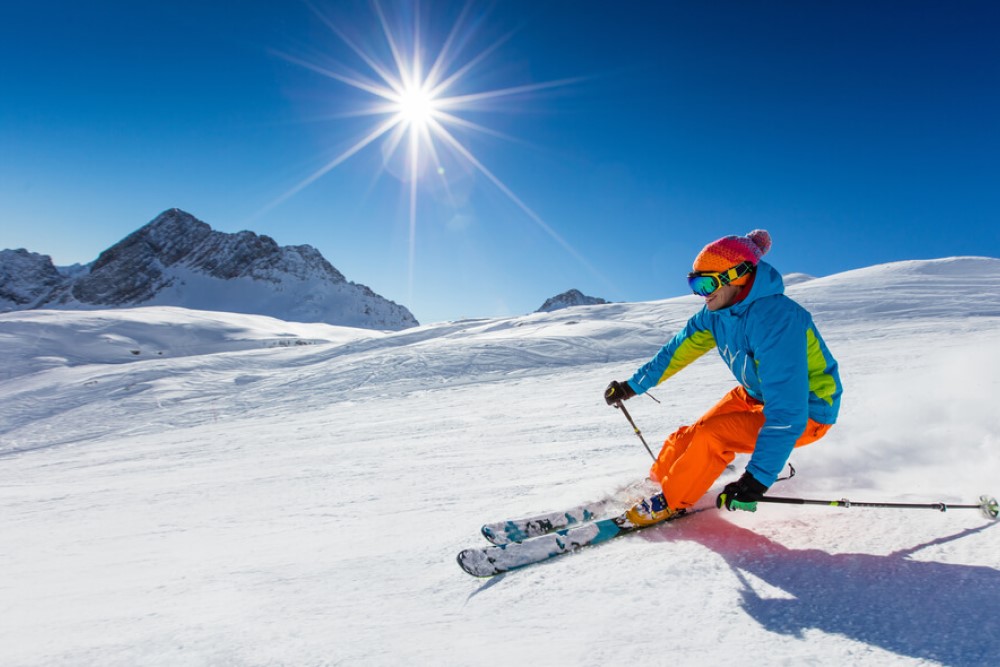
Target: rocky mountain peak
26	278
573	297
170	237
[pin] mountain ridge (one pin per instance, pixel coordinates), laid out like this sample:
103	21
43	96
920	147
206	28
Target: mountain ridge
179	260
569	299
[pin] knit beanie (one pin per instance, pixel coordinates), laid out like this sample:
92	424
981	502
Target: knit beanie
729	251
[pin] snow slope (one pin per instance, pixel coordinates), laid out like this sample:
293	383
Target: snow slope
218	498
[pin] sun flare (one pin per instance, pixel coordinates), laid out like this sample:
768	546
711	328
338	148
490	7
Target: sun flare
418	109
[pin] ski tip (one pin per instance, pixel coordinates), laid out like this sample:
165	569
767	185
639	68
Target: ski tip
495	537
507	532
476	563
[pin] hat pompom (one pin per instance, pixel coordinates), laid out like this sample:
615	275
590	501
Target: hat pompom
761	239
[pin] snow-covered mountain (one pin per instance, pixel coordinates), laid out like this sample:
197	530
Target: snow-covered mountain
178	260
796	278
568	299
27	279
190	488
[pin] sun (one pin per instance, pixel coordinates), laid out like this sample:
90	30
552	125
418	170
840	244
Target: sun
418	108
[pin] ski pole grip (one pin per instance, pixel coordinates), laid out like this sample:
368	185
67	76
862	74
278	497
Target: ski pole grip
746	507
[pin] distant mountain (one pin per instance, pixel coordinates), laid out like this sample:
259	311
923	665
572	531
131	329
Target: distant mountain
573	297
178	260
796	278
26	279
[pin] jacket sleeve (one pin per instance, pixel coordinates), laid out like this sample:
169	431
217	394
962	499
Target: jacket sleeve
690	343
777	337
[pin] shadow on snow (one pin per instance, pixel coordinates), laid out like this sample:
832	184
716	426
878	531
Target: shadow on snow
934	611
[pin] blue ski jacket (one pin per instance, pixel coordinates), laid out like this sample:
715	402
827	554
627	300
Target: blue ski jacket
775	351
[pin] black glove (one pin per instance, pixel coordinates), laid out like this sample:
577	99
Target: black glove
742	494
618	391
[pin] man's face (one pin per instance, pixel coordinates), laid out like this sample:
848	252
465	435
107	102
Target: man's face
722	297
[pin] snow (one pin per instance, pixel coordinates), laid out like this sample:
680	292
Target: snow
228	496
294	294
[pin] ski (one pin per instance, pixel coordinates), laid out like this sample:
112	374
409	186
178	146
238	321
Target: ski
518	530
496	559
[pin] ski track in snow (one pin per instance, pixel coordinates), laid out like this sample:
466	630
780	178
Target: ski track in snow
217	499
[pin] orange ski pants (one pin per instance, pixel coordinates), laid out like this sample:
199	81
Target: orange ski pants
694	456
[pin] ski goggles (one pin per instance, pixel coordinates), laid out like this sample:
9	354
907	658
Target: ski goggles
704	283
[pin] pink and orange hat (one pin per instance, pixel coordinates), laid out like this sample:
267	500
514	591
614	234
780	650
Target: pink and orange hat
729	251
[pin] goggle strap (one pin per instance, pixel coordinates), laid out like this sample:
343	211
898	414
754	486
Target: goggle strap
735	273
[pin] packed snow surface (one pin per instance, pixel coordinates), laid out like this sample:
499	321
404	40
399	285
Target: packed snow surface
191	488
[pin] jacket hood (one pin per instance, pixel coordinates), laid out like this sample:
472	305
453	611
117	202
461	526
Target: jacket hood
767	282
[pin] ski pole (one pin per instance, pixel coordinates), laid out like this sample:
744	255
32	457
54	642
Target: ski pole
987	504
635	428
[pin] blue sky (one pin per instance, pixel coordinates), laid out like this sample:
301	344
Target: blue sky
856	132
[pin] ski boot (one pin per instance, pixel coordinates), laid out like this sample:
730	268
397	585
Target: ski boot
651	511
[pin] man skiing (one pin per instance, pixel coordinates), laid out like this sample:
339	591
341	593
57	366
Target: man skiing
789	386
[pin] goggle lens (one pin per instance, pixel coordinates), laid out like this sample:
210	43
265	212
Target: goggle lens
704	285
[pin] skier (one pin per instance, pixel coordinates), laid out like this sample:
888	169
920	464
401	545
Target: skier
789	391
